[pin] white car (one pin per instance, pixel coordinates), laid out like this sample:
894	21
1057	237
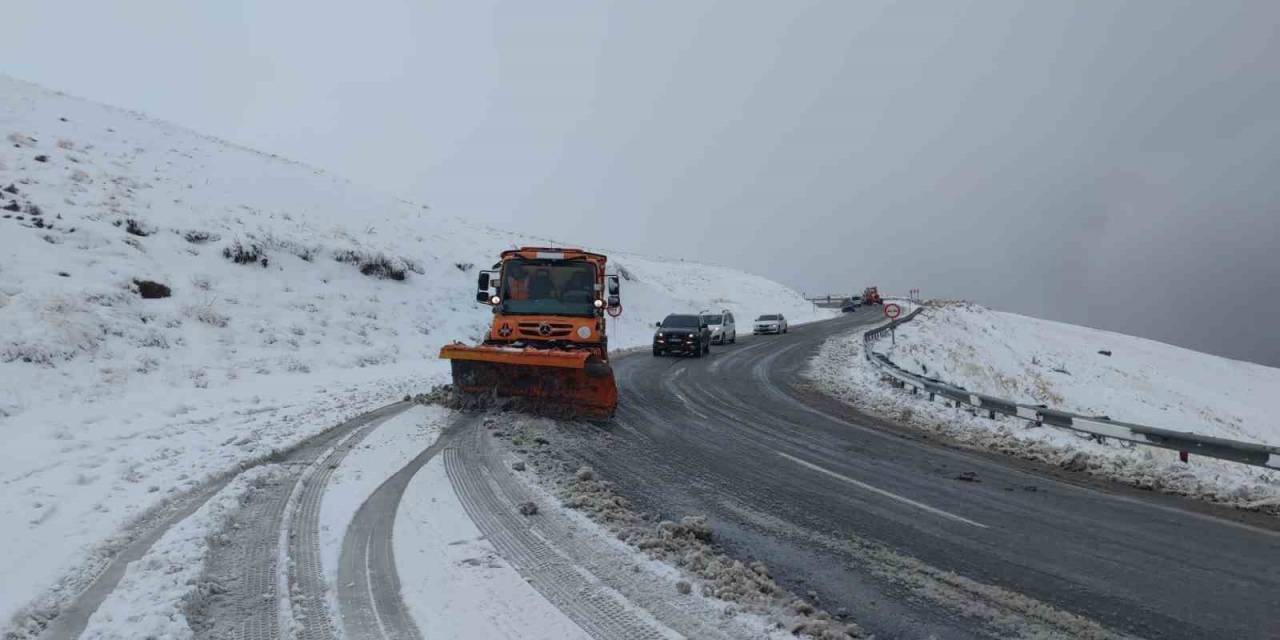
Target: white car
770	323
723	328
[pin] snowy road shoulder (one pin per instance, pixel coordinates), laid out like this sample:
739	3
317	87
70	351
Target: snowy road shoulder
76	495
149	602
453	580
840	370
390	447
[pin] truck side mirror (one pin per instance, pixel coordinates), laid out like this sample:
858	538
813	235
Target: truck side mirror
612	285
658	325
482	288
615	301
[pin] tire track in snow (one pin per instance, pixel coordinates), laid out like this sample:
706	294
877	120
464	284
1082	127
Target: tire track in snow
265	581
72	619
597	608
368	583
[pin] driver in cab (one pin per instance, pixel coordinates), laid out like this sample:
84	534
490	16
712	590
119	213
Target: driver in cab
518	281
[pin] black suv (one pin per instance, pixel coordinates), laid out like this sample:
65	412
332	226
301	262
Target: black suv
683	334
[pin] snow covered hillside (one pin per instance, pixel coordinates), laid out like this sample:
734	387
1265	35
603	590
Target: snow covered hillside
1037	361
1043	362
173	306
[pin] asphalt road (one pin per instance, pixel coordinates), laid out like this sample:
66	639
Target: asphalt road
908	536
913	537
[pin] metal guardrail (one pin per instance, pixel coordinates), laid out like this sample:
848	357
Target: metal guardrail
1100	427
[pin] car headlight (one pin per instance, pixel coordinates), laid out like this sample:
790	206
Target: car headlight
659	334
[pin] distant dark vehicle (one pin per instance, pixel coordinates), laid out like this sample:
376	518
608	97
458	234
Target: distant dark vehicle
852	305
685	334
771	323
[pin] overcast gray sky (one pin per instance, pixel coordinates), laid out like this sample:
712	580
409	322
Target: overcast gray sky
1114	164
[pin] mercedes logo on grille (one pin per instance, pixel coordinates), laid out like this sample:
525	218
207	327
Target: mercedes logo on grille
544	329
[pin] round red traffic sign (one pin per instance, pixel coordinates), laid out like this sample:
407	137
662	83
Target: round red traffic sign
892	311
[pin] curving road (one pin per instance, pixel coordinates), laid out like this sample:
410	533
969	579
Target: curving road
906	535
913	537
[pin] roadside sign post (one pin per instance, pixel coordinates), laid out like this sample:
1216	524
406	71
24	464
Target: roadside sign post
892	311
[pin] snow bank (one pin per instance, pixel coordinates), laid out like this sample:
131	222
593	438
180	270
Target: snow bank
172	306
1143	381
1041	362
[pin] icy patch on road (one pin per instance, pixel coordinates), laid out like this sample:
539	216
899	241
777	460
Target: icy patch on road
150	600
840	370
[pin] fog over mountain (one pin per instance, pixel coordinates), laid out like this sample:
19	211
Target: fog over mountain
1109	164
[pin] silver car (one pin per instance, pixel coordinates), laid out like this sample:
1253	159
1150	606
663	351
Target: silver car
770	323
723	328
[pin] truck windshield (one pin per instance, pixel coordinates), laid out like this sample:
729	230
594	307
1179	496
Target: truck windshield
680	322
548	287
713	320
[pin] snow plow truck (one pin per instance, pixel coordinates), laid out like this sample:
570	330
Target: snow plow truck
547	346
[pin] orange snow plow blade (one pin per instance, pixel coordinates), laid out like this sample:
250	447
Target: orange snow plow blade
562	384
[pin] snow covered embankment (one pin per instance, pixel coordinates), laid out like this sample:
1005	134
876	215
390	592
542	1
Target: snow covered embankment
173	306
1042	362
